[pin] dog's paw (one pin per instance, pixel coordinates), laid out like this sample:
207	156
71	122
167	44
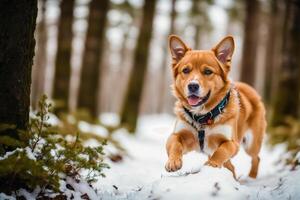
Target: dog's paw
173	165
213	164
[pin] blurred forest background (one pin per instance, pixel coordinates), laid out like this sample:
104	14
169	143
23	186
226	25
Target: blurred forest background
98	59
111	56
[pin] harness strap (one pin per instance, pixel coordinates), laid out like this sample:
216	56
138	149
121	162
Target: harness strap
201	136
207	118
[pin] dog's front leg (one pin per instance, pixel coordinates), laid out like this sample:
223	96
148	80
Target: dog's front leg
178	144
223	153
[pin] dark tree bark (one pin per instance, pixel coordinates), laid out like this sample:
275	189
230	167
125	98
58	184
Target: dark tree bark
195	13
130	109
288	93
88	91
250	42
17	26
39	67
165	67
125	52
173	15
200	20
63	56
273	55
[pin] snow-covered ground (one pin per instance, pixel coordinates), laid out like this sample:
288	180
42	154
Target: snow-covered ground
141	175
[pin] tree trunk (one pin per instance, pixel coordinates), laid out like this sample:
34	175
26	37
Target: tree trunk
273	55
173	15
126	59
39	67
17	25
88	89
130	109
195	14
288	92
250	42
63	56
165	66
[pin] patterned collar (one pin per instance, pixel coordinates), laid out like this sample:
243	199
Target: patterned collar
207	119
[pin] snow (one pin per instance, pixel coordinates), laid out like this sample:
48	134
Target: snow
110	119
30	154
96	129
26	194
141	174
82	188
6	197
5	156
298	156
53	120
28	151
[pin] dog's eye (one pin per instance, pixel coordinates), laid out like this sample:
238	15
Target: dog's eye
186	70
207	72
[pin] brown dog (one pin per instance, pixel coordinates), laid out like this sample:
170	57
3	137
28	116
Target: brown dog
214	114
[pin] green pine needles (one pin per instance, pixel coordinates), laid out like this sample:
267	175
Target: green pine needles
42	159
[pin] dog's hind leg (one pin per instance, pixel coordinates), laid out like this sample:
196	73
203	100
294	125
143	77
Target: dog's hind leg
253	151
230	167
254	166
255	139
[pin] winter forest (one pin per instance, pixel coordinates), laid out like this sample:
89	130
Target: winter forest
87	107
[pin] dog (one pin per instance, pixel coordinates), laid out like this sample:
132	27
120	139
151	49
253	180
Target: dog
214	114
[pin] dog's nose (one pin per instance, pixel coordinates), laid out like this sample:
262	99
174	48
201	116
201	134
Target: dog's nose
193	87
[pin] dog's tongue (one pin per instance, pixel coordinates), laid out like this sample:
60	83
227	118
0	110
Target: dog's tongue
193	100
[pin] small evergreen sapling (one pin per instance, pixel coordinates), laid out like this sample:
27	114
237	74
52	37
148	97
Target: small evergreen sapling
42	158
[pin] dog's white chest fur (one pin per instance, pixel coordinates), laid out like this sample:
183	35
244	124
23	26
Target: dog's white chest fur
224	130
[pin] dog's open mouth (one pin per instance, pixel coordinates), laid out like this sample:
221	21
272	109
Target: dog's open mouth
195	100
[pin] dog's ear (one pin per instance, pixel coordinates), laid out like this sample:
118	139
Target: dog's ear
177	47
224	50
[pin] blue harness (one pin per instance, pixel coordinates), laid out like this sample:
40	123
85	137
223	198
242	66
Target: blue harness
207	118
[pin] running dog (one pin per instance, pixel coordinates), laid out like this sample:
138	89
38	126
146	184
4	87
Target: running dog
215	115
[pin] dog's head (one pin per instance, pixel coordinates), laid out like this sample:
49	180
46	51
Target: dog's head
200	75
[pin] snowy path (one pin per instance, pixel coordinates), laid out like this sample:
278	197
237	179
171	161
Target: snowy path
142	174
